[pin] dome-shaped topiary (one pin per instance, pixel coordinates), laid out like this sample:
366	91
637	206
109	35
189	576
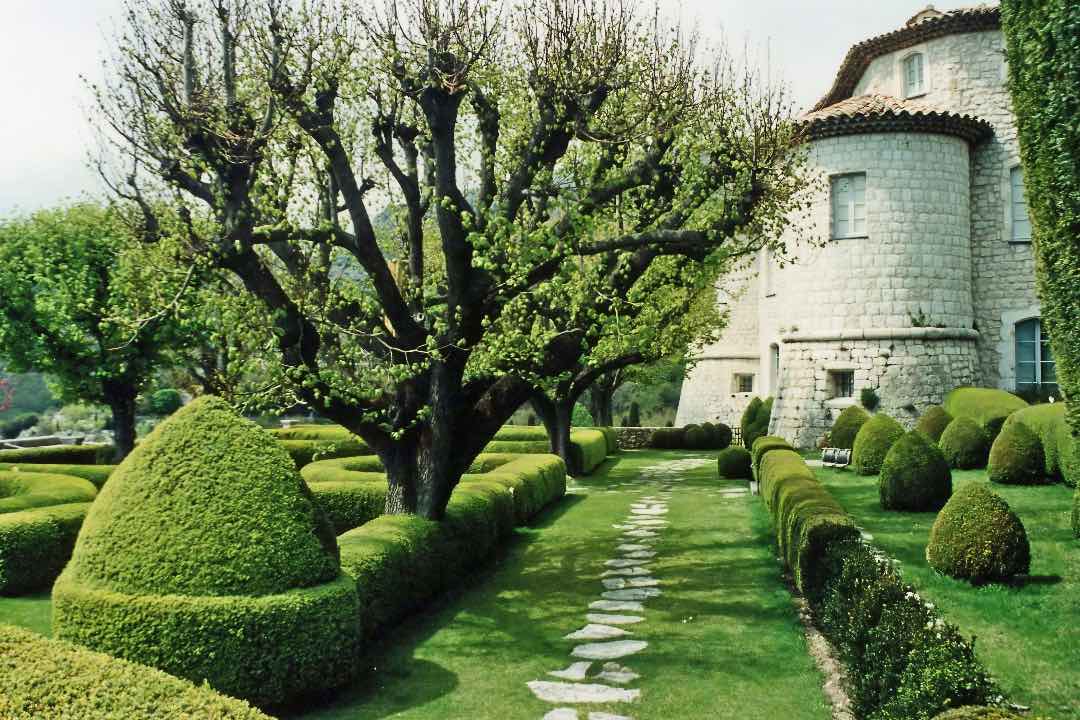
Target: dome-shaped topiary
723	436
965	444
872	443
1016	457
206	556
695	437
933	422
847	426
978	538
914	475
755	420
734	463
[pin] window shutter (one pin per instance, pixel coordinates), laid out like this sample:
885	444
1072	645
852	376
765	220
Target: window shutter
1021	223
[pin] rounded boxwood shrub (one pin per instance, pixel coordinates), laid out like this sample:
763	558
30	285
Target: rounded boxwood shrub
695	437
755	420
978	538
206	556
933	422
965	444
847	427
165	402
1016	457
914	475
872	443
723	436
667	439
734	463
24	490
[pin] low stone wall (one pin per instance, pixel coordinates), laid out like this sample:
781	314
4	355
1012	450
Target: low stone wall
634	438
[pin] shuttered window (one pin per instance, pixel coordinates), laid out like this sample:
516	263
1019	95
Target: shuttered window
1021	223
1035	370
848	205
914	83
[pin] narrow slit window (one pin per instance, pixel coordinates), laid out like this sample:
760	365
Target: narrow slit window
1021	223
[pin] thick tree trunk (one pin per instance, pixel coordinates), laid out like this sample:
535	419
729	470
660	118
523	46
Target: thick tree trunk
121	400
600	399
556	415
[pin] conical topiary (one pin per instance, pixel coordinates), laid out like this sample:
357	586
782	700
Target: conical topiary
978	538
914	475
965	443
206	556
872	443
847	426
1016	457
933	422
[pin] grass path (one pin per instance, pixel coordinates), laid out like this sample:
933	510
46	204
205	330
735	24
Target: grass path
724	641
1028	635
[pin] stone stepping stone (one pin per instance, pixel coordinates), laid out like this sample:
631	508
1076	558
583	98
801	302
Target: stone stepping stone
625	562
638	582
576	671
632	547
615	673
606	619
562	692
607	716
627	572
616	606
632	594
641	533
648	522
609	650
648	511
594	631
641	554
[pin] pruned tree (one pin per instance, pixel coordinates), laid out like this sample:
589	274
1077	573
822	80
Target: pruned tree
281	135
81	300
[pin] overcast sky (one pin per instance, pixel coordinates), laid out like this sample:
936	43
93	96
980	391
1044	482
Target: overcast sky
45	45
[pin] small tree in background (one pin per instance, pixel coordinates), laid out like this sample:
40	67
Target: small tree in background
81	300
634	418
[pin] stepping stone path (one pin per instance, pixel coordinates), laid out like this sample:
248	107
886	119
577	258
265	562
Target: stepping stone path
627	582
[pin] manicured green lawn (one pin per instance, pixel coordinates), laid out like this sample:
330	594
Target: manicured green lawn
33	612
1029	634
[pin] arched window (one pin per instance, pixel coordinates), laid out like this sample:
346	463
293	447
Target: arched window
914	75
1035	371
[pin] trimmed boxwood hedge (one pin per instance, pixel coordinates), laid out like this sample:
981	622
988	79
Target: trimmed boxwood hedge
24	490
988	407
97	474
981	712
49	678
1076	513
207	537
933	422
872	443
965	444
978	538
1016	457
914	476
522	433
60	454
36	544
755	420
902	659
764	445
847	427
733	463
588	449
806	516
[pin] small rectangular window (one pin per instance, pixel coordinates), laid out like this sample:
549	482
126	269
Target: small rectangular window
1021	223
848	205
842	383
744	383
913	75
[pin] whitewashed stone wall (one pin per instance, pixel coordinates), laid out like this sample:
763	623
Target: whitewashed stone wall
910	368
967	74
708	393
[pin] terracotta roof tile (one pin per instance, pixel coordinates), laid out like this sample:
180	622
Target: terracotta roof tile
884	113
929	27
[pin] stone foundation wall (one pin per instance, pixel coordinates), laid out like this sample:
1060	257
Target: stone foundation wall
911	369
633	438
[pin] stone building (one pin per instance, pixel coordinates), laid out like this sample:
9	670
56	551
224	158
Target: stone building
921	278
